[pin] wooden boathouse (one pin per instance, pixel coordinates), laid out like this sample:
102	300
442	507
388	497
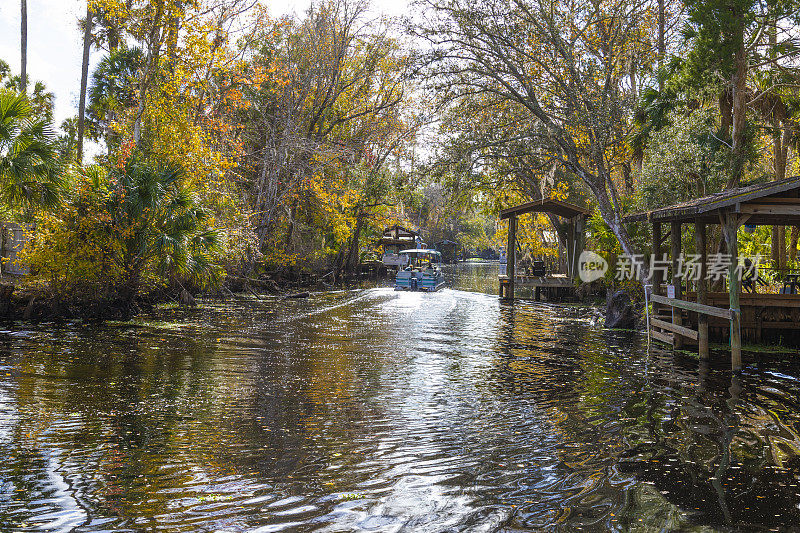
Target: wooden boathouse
681	317
572	219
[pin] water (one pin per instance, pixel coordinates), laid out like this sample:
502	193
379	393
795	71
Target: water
382	411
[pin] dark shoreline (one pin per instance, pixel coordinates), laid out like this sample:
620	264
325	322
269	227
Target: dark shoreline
19	302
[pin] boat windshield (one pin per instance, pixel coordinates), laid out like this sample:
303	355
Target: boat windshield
422	258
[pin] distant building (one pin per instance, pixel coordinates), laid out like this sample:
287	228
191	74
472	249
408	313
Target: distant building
396	238
13	237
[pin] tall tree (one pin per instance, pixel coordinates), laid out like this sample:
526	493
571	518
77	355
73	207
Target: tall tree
87	44
662	48
153	37
112	93
729	40
23	47
337	73
556	61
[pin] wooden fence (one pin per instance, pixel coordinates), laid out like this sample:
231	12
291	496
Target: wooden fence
659	327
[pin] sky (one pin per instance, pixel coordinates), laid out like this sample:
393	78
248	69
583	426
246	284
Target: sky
54	47
55	42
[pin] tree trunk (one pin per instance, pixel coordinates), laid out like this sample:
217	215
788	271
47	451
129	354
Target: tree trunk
173	27
726	114
87	44
793	243
775	247
23	47
612	218
662	49
779	162
130	287
782	246
290	229
338	264
738	83
113	37
779	153
627	177
153	50
352	254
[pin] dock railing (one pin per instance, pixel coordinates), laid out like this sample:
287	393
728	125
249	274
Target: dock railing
683	331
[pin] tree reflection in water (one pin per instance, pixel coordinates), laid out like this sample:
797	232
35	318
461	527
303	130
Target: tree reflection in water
392	411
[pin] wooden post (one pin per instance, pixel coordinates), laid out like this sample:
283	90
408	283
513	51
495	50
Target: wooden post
729	229
675	278
702	284
656	245
580	237
656	255
511	255
570	243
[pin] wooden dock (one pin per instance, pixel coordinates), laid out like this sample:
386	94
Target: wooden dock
573	221
681	317
554	287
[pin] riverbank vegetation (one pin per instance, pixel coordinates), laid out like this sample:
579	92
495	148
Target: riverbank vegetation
217	148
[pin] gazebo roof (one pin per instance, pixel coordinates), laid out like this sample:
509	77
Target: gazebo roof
775	202
557	207
398	230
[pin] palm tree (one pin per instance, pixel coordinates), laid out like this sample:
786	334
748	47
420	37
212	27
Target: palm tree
112	90
87	44
159	226
23	47
29	166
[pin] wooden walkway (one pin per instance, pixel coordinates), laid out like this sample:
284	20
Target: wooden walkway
554	286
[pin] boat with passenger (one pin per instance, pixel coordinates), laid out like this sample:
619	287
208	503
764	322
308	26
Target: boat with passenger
423	273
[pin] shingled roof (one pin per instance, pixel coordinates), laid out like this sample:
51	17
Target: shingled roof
562	209
708	206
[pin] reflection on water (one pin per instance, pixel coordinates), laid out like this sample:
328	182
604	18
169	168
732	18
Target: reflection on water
480	276
386	411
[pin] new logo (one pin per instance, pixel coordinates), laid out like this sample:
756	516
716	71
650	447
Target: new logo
591	266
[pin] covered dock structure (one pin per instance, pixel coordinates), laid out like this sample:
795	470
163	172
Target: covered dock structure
574	218
682	317
394	239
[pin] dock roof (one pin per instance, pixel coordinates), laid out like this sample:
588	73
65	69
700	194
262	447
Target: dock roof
774	202
557	207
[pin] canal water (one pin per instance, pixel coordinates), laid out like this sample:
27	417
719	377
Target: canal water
372	410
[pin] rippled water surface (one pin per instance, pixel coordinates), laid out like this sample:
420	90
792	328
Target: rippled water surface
383	411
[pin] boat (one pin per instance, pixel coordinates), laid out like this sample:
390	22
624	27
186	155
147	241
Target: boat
423	273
